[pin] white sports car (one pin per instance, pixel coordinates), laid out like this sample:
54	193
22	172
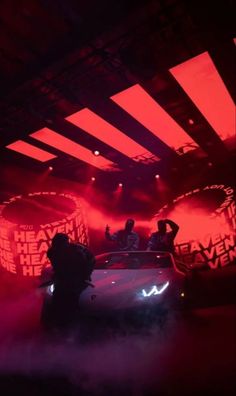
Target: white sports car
131	280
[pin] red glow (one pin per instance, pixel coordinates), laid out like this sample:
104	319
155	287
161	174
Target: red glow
117	194
107	133
138	103
31	151
196	224
23	252
72	148
120	184
157	176
98	219
93	178
201	81
162	189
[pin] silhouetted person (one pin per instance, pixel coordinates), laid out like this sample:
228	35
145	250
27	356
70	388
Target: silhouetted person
162	240
72	264
125	239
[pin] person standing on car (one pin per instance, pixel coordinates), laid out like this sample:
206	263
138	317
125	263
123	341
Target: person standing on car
162	240
125	239
72	264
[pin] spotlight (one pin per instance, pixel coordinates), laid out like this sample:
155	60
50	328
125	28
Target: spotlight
93	178
120	184
210	164
96	152
190	121
50	168
157	176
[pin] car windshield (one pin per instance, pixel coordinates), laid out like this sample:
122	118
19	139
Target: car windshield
133	260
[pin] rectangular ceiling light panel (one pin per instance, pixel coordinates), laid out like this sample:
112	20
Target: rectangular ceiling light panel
201	81
72	148
31	151
107	133
140	105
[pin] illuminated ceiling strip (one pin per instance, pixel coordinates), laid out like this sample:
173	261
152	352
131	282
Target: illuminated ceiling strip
140	105
107	133
201	81
72	148
31	151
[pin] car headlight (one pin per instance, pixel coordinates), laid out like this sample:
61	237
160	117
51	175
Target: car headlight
156	289
50	289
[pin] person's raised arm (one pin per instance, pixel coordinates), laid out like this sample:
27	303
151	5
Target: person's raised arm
108	236
174	227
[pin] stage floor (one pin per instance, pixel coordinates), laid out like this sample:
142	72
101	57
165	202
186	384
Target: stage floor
194	352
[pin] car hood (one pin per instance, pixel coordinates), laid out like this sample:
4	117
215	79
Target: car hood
116	289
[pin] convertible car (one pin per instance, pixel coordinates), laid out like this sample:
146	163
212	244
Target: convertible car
132	280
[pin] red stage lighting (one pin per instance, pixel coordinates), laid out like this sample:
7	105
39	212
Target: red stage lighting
96	126
96	152
93	178
201	81
28	149
157	176
120	184
72	148
140	105
50	168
